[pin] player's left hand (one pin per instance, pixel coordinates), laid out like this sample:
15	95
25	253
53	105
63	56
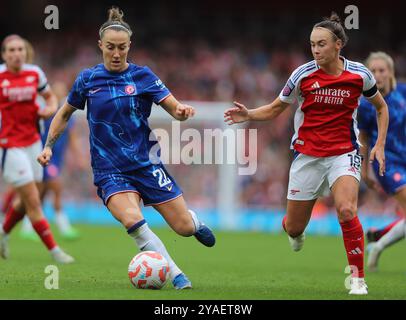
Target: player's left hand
46	112
378	154
184	111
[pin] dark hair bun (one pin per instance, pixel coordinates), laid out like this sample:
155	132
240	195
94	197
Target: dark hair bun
115	21
335	18
333	23
115	14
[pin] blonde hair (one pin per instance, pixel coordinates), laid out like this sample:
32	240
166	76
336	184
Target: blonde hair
30	52
389	62
115	21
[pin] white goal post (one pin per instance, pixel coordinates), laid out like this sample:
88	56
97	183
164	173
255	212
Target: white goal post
228	184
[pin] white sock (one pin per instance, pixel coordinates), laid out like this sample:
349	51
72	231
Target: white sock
55	250
146	240
62	221
195	220
27	225
394	235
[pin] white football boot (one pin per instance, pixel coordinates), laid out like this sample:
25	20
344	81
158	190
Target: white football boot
298	242
60	256
4	253
373	257
358	286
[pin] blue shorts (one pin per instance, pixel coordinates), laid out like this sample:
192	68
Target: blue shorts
153	183
394	178
51	172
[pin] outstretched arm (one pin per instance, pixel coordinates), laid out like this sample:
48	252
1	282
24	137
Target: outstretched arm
56	129
176	109
382	116
240	113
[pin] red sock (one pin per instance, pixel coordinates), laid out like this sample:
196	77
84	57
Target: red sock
7	200
12	218
43	230
353	236
284	223
387	228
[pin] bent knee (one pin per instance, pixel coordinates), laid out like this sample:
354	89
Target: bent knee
294	230
346	212
185	227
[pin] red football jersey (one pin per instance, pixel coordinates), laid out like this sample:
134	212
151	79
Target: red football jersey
326	119
18	108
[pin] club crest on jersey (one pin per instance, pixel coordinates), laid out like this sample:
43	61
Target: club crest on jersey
130	89
30	79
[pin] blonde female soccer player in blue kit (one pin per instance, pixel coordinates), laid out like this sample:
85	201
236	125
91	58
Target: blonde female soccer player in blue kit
119	96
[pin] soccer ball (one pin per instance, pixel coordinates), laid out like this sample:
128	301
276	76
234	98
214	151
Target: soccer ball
148	270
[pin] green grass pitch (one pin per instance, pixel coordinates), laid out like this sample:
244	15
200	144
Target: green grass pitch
242	265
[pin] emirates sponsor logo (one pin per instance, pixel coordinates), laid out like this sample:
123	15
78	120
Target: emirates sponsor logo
19	93
328	95
329	92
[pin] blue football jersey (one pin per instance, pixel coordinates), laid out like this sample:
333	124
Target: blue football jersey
395	148
401	87
118	106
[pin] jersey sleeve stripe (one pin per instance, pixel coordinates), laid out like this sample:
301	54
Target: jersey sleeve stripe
360	70
296	77
164	98
3	158
300	69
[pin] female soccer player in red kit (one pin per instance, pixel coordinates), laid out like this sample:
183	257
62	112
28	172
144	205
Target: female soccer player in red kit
20	141
326	142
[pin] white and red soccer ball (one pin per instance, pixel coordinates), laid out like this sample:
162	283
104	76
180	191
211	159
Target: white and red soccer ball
148	270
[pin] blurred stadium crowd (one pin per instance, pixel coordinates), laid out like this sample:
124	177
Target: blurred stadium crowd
248	60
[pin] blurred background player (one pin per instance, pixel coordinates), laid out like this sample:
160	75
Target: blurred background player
20	141
394	181
10	193
325	140
118	96
51	179
52	182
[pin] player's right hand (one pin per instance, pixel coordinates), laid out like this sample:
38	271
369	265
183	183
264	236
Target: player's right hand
237	114
45	156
